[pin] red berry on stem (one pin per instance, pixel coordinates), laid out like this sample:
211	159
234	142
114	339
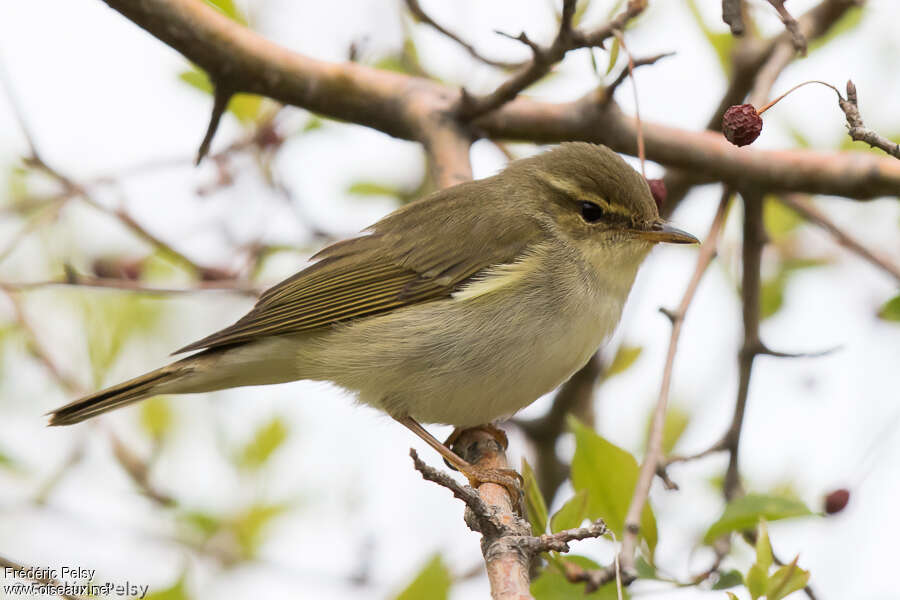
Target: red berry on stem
837	501
741	124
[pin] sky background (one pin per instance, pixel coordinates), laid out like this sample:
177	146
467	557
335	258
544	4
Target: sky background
101	95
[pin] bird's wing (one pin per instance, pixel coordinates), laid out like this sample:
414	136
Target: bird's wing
397	264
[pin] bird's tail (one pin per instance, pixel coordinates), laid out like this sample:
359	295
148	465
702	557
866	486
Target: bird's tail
149	384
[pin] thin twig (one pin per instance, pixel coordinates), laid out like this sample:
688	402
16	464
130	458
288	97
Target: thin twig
811	213
733	15
790	23
857	129
654	442
543	58
416	9
637	111
633	64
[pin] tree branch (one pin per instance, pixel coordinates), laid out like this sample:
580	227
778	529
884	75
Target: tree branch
858	131
543	59
400	105
507	544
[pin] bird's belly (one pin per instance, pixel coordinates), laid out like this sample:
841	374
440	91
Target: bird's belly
462	363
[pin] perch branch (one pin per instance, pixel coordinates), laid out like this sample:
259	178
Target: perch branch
507	544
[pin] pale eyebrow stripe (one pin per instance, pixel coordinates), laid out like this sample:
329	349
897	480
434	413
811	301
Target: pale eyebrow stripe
573	191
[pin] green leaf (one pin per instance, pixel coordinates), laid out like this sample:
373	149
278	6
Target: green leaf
249	526
6	462
786	580
779	220
178	591
265	442
609	475
571	514
756	581
229	9
432	583
721	42
613	56
764	556
890	310
156	417
728	579
111	320
851	18
677	421
625	357
731	596
204	523
743	514
534	500
245	107
553	585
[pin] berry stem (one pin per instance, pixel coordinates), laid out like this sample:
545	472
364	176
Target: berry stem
799	85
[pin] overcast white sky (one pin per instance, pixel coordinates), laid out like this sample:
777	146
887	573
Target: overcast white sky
99	95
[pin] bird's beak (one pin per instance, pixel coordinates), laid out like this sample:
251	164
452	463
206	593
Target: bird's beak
660	231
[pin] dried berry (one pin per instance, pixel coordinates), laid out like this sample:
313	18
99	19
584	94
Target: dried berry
741	124
836	501
658	189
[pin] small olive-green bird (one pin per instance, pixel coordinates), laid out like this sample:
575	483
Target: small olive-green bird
461	308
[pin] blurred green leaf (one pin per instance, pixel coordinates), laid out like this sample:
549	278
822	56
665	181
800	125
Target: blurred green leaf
609	475
111	319
17	183
728	579
156	416
890	310
778	219
267	439
625	357
245	107
230	9
800	140
432	583
613	55
677	420
6	462
756	581
744	513
571	514
580	7
764	557
644	569
249	526
537	507
786	580
721	42
851	18
204	523
553	585
851	145
178	591
731	596
406	61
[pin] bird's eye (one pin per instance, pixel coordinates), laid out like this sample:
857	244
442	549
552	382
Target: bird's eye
590	212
